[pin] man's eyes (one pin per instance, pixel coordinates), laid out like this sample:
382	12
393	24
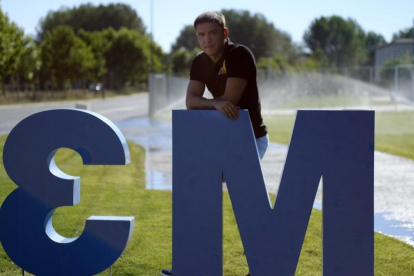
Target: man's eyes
210	33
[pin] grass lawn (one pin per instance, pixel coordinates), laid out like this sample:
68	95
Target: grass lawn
394	131
120	191
278	100
326	101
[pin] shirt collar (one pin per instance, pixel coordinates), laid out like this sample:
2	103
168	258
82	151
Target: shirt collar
227	47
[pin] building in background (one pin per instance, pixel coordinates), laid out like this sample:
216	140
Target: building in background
393	50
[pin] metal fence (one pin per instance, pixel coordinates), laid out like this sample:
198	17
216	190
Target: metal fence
15	89
166	91
399	79
317	88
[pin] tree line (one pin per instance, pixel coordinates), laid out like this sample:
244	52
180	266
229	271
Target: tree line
109	43
329	42
78	46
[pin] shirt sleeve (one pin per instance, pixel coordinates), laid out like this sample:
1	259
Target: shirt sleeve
241	64
196	71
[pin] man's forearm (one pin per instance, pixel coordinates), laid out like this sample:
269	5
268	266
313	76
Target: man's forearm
225	107
193	102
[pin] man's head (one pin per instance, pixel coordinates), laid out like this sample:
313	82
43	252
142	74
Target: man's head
211	16
212	33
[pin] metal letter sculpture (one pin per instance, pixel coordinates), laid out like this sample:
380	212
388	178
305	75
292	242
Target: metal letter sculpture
26	230
339	145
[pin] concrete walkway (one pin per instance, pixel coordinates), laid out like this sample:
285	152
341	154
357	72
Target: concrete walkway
114	108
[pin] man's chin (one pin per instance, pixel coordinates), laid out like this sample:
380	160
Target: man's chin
209	51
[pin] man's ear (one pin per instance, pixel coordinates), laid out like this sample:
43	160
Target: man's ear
226	32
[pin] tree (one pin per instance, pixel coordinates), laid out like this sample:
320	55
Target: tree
275	63
29	64
11	46
99	45
92	18
65	57
321	57
372	40
128	56
343	41
406	33
259	35
181	59
310	64
186	40
251	30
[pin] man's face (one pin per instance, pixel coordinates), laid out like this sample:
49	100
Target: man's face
211	38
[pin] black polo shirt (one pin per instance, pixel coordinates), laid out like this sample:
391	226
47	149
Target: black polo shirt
237	61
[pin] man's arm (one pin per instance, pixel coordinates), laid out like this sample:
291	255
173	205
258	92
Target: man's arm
194	98
234	90
227	104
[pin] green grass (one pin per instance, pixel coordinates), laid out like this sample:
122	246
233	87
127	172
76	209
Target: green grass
120	191
280	127
326	101
394	131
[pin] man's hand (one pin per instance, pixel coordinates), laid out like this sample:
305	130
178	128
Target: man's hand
226	104
227	108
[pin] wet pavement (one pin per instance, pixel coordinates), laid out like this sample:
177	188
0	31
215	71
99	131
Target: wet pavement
394	176
155	136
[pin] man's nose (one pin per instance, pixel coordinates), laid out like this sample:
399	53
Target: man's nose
207	38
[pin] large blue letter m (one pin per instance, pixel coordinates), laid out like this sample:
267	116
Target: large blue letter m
337	145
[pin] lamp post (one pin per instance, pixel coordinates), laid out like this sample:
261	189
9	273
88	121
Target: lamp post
151	35
412	62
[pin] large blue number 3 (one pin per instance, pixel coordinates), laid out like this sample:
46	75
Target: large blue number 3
26	230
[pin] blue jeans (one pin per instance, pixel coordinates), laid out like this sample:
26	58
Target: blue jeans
262	143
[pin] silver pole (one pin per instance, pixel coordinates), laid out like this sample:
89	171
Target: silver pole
412	61
371	78
150	75
394	99
152	34
396	79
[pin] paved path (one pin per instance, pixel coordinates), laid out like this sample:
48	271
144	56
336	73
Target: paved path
115	109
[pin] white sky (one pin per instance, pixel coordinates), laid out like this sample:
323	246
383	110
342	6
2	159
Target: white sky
293	16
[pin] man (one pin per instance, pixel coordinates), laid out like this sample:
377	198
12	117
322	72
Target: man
229	72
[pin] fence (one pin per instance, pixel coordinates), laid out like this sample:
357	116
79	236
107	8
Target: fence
16	89
317	88
399	79
166	91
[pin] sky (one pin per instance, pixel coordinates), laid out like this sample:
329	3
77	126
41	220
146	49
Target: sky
292	16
